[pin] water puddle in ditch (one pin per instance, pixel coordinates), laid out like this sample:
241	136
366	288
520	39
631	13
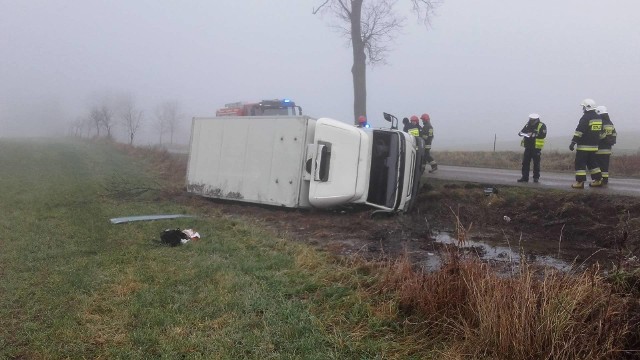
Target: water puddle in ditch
497	254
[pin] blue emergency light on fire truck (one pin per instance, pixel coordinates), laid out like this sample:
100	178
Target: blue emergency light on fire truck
262	108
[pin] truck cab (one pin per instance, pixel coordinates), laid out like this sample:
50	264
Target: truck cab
377	167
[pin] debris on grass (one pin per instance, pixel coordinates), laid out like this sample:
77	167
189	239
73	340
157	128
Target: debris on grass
122	220
175	237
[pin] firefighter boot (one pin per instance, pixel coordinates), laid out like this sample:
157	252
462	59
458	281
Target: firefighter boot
595	183
578	185
605	181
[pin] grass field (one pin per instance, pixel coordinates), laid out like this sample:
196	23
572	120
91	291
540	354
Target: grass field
72	285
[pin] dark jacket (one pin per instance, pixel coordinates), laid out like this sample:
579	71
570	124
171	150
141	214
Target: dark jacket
539	131
610	133
427	134
405	124
588	131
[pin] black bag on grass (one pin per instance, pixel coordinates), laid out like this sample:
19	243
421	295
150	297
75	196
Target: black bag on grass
173	237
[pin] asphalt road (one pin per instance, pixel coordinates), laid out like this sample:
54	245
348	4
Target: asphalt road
562	181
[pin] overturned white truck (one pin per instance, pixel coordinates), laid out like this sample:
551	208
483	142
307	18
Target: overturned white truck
301	162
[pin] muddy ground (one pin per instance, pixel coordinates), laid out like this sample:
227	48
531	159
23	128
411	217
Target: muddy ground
566	230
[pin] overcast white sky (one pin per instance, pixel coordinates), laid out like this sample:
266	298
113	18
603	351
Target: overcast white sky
479	70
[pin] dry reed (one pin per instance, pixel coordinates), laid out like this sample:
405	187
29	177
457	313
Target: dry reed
553	316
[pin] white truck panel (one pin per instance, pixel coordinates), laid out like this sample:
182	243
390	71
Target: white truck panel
253	159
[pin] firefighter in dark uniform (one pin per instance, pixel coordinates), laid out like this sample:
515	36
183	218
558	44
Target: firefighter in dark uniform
603	155
587	137
427	134
414	127
533	134
405	124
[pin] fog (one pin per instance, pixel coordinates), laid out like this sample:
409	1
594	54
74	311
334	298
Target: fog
479	70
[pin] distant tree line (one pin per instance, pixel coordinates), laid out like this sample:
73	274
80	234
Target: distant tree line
108	112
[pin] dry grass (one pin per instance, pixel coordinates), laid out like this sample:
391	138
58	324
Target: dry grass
461	232
623	165
170	167
528	316
626	164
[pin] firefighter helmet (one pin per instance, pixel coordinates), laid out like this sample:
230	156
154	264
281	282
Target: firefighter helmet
601	109
425	117
588	104
362	119
534	116
414	119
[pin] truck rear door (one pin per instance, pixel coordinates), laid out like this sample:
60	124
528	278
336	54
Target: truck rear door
339	162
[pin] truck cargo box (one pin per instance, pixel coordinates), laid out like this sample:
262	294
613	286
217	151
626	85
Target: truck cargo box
253	159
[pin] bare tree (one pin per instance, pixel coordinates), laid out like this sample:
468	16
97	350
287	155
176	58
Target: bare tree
130	116
168	115
370	26
101	115
87	125
106	117
95	117
160	125
76	126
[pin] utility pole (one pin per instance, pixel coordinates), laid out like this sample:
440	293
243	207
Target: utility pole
495	136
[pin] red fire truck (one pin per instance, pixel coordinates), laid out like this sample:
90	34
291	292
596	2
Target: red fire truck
263	108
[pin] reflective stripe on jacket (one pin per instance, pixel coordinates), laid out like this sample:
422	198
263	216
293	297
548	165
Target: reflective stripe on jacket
608	139
540	140
427	134
588	132
413	129
539	130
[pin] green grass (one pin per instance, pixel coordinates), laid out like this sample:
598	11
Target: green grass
74	285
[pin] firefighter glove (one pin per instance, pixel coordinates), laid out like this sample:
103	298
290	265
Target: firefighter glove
572	146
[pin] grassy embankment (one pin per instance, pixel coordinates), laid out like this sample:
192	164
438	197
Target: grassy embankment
72	285
555	161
